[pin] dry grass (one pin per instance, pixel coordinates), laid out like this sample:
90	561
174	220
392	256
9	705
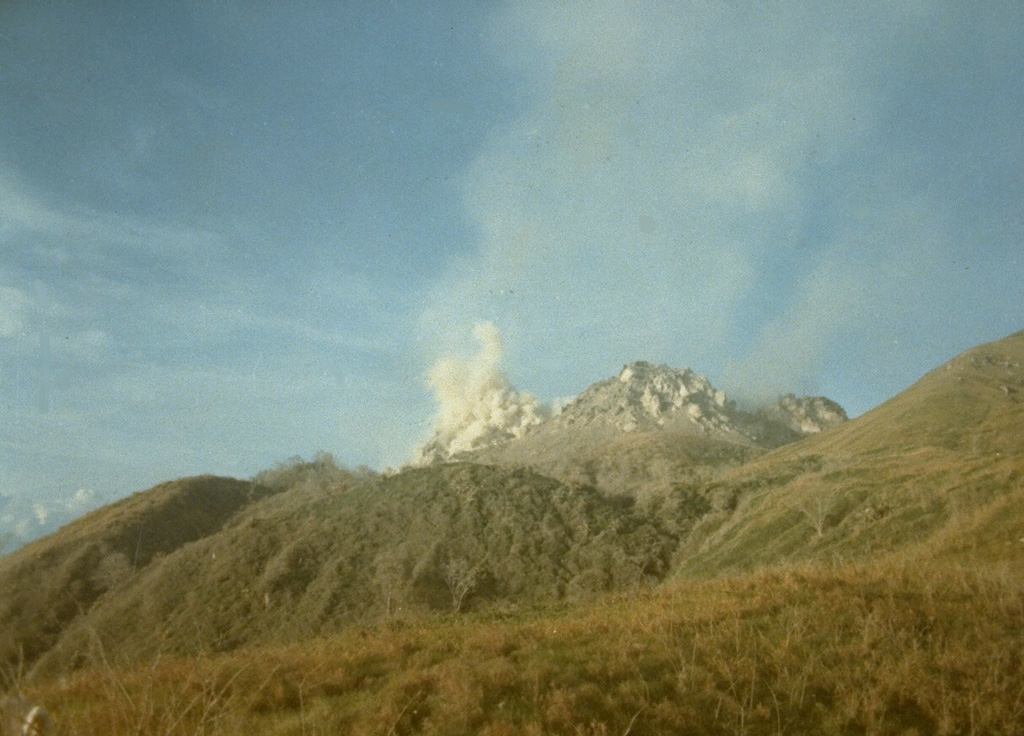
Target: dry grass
863	581
887	648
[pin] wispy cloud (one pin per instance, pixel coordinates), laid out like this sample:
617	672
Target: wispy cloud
63	233
21	211
713	185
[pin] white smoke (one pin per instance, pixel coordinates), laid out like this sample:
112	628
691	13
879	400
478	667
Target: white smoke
477	405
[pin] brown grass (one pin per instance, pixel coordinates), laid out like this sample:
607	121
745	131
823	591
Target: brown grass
893	648
863	581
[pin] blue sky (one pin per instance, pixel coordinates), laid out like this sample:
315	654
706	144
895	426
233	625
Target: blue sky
235	232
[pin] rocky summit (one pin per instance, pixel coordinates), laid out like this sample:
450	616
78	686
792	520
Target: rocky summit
806	414
645	396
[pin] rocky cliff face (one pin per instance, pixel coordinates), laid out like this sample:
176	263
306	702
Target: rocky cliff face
647	397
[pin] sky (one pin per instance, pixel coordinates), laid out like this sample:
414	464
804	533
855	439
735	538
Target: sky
235	232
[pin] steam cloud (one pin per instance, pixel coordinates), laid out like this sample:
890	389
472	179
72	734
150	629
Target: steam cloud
477	404
693	185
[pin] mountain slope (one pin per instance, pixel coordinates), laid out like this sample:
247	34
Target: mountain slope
941	464
207	564
49	582
870	649
428	539
643	465
650	427
969	404
23	519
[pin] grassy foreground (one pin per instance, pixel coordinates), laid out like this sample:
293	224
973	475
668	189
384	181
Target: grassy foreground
900	647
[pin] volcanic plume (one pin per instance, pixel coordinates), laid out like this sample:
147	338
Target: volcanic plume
477	405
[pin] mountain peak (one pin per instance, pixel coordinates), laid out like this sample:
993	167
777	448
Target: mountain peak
646	396
642	397
649	396
806	414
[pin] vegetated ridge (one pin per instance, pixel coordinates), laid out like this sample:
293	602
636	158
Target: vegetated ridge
50	583
940	465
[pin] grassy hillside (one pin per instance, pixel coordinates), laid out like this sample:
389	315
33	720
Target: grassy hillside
865	580
304	562
48	583
940	465
886	648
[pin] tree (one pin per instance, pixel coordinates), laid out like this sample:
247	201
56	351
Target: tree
817	514
461	578
390	577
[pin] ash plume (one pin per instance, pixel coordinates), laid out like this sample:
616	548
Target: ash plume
477	405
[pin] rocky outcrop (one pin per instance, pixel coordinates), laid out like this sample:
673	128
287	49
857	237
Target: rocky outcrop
647	397
806	414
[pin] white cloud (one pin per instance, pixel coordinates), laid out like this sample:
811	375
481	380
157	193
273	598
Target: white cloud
82	500
716	186
40	512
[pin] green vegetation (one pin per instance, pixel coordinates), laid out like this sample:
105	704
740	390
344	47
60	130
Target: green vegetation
317	558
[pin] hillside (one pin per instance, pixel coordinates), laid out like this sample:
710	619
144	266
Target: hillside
898	648
940	465
48	583
301	563
931	480
642	465
24	518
